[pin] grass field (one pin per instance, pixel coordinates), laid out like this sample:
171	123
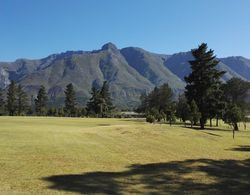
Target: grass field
120	156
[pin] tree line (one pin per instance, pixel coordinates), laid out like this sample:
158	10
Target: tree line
17	103
205	98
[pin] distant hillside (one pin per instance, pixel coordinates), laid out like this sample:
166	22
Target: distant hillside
129	71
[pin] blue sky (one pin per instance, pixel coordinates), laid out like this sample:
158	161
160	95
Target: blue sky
37	28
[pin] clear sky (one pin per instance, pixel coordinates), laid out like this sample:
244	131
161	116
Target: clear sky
37	28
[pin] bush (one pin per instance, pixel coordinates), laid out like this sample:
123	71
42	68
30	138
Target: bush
150	119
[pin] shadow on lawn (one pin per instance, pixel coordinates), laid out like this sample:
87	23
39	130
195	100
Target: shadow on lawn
242	148
222	176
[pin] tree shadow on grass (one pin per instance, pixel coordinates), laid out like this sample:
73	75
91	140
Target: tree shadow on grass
242	148
201	176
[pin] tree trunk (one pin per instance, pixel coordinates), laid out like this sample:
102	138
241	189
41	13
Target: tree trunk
210	122
202	124
217	121
191	124
236	128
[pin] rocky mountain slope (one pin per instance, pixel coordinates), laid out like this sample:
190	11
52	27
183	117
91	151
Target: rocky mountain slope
129	71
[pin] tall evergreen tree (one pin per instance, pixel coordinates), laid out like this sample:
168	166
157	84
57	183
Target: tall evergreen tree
203	81
105	101
2	102
70	100
11	105
92	105
22	101
41	101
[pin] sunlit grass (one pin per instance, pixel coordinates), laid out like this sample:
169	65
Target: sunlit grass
35	148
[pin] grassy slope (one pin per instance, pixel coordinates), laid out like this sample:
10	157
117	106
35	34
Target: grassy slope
49	155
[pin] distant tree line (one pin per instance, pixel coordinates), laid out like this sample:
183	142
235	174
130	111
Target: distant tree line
16	103
206	97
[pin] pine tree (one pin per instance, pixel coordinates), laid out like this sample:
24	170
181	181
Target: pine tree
92	105
105	101
11	105
22	101
70	101
203	81
164	99
41	102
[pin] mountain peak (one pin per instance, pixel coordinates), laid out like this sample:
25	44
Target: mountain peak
109	46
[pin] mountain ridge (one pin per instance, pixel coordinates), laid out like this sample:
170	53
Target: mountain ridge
130	71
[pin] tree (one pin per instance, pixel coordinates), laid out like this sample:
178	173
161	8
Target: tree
235	91
11	105
233	116
70	100
22	100
183	109
41	101
100	104
159	104
105	101
203	80
2	102
195	115
92	105
170	113
216	103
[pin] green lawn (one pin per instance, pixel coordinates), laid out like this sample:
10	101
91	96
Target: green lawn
120	156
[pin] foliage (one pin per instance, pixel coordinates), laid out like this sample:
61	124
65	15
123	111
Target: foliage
41	102
150	118
195	115
158	103
100	103
22	101
204	81
11	105
183	109
70	101
233	115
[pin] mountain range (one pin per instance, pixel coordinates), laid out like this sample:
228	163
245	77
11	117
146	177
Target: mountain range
130	71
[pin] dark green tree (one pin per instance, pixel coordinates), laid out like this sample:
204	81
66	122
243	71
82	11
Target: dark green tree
235	91
105	101
183	109
195	115
232	116
170	113
11	105
70	101
2	103
159	104
203	80
22	101
41	102
92	105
